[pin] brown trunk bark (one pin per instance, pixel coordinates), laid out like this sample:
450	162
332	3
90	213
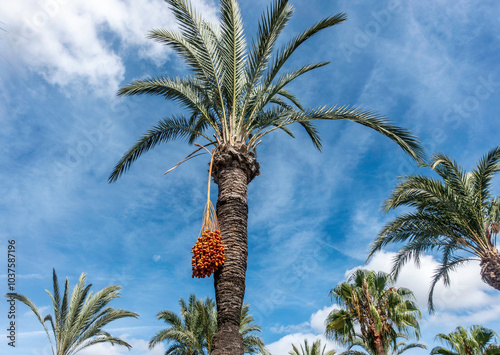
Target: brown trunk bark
490	268
233	169
378	345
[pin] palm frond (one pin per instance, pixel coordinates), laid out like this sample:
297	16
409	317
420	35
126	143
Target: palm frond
266	93
233	54
78	320
272	23
401	136
442	272
284	54
165	131
486	168
35	310
187	91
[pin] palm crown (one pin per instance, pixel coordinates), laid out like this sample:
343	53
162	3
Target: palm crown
476	340
383	313
192	333
78	319
236	95
456	216
315	349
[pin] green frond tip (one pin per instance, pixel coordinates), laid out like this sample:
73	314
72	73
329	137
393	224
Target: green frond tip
404	138
165	131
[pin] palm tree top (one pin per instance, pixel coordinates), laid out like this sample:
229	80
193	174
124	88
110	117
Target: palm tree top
455	215
78	319
193	330
382	312
237	93
315	349
476	340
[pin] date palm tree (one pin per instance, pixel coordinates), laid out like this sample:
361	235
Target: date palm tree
78	320
235	96
455	216
315	349
192	333
477	340
382	312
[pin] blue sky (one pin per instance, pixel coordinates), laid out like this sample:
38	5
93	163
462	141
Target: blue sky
431	67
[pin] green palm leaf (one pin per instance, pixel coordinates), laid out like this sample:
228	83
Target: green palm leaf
78	321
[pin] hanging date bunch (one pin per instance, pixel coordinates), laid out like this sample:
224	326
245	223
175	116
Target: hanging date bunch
208	252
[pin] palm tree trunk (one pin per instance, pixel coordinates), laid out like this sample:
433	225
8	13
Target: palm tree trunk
233	169
378	345
490	268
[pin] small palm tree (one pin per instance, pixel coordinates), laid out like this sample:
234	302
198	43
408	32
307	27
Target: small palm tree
235	96
314	350
477	340
382	312
78	320
192	333
456	216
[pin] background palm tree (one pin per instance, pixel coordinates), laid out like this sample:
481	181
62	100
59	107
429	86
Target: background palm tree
382	312
476	340
234	97
456	216
192	333
315	349
392	346
252	344
78	320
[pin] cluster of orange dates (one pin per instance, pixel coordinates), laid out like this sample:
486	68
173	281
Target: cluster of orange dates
208	253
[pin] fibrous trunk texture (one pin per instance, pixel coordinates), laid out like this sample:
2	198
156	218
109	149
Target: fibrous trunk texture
490	268
234	167
378	345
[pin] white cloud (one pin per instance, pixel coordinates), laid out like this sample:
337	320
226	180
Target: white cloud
466	291
77	44
311	330
156	258
318	319
447	321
